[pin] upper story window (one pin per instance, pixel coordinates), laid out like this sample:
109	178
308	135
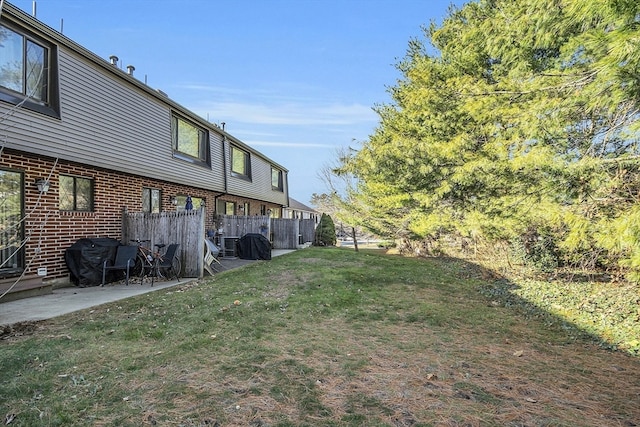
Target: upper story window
76	194
190	142
276	179
151	200
240	163
26	72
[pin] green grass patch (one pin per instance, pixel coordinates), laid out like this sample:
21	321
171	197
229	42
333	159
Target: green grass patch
330	337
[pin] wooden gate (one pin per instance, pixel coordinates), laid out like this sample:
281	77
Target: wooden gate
185	228
284	233
307	230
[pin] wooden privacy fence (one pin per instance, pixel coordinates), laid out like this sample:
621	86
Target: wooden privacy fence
185	228
239	225
284	233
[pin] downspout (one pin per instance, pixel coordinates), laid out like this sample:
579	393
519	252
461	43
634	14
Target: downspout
287	187
224	171
224	161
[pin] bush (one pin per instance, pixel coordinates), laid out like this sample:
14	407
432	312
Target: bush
325	232
536	249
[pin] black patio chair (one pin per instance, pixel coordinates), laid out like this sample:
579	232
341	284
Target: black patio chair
166	266
125	260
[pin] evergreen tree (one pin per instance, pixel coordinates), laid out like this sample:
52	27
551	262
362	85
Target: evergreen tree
325	231
524	123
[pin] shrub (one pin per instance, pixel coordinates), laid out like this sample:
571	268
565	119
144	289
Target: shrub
325	232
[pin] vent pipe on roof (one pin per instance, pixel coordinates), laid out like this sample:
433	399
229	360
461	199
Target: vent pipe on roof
114	60
130	69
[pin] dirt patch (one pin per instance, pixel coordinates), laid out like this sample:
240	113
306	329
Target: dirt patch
19	329
283	283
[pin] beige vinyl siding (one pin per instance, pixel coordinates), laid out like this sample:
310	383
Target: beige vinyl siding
108	123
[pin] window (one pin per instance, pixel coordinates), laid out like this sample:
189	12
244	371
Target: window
26	72
151	200
196	202
76	194
244	209
240	163
276	179
11	223
229	208
263	210
190	142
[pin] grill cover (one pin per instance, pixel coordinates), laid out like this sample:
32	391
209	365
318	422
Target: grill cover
254	246
85	257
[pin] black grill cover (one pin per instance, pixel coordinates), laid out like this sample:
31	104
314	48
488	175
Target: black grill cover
85	259
254	246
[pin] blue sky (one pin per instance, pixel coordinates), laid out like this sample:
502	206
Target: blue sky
295	79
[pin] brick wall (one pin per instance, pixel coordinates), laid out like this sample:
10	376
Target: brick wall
50	231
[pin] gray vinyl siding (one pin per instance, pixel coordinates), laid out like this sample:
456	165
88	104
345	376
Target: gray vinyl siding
109	124
259	187
111	120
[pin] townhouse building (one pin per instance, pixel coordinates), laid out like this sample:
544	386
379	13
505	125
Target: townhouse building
81	140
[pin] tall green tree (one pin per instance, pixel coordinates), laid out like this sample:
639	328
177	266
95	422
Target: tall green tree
514	118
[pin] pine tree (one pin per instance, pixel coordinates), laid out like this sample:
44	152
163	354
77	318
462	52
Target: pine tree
325	232
525	122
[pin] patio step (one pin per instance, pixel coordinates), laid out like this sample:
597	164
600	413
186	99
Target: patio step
29	286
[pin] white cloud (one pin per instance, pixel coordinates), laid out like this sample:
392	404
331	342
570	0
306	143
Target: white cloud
290	114
287	144
287	104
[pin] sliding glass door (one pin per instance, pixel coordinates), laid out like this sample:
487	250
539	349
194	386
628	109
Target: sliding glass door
11	222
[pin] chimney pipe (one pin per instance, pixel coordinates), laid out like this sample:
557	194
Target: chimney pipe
114	60
130	69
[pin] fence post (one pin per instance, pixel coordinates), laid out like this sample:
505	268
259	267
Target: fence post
202	243
123	225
